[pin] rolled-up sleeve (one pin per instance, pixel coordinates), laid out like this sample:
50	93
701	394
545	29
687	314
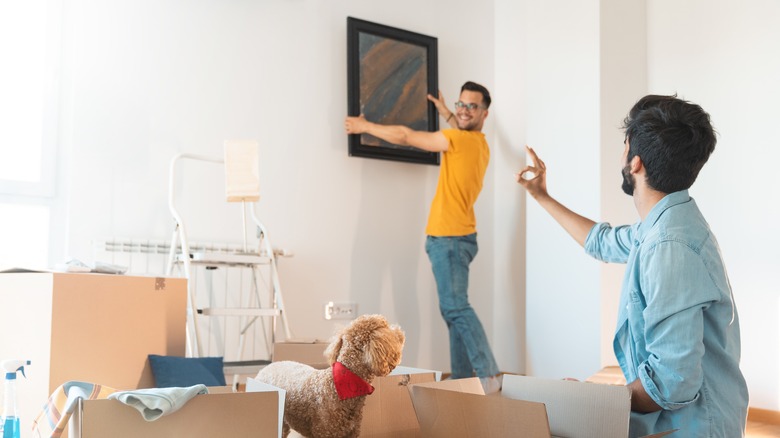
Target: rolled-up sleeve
676	289
609	244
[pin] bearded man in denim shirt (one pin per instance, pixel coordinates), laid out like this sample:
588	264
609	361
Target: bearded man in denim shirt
677	337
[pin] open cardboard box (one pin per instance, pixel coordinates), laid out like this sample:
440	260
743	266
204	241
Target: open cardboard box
256	386
218	413
459	407
389	412
538	407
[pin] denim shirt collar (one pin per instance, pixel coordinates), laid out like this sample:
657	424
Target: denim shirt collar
668	201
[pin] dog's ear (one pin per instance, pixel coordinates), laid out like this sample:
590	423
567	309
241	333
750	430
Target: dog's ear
399	334
384	349
332	352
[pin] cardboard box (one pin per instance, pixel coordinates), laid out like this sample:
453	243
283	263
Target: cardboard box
459	407
587	410
539	407
221	413
389	412
91	327
610	375
253	385
311	353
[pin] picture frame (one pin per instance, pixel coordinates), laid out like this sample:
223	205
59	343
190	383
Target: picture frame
390	72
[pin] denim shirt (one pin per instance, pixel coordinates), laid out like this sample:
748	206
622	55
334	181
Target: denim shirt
677	328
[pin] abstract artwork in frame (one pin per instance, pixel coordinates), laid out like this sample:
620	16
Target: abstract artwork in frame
389	74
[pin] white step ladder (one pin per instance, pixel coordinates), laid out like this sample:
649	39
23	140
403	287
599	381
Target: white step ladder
242	185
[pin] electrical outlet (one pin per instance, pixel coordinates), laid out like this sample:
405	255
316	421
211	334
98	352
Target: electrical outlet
340	310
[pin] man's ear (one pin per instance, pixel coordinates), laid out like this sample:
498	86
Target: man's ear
636	164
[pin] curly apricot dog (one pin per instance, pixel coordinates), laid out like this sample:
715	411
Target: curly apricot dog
329	403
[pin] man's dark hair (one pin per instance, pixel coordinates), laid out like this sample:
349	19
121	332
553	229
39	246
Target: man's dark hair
673	137
473	86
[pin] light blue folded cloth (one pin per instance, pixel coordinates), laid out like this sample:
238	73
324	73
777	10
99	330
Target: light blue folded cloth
153	403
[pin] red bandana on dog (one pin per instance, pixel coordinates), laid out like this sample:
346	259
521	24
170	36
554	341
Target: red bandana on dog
349	384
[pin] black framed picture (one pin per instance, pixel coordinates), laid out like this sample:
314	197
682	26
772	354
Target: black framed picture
390	72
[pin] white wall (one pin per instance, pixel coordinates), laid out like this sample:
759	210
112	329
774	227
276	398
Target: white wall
562	125
144	80
623	66
509	270
724	56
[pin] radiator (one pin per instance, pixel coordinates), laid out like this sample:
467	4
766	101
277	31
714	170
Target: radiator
213	287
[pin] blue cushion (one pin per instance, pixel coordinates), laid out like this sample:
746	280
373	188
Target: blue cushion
172	371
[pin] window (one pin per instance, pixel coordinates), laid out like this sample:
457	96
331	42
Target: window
25	236
29	48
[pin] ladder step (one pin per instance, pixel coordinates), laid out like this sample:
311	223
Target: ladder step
239	311
226	259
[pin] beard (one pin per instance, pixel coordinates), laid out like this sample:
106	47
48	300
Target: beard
468	125
628	181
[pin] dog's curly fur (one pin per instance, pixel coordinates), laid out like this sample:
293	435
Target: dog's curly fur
369	347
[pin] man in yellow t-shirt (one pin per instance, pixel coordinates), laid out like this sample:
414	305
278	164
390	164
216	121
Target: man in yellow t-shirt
451	243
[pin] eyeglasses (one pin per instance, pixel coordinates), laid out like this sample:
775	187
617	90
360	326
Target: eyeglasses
468	106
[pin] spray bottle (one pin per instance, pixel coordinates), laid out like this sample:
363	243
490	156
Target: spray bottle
10	422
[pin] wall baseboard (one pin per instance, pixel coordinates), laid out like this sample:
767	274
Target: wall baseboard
764	416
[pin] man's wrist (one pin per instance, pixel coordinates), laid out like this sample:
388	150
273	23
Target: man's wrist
449	117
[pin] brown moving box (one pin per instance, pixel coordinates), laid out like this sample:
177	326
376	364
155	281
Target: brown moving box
91	327
459	408
220	413
389	411
609	375
539	407
311	353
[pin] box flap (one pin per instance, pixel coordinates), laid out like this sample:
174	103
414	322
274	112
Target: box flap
469	386
412	370
204	416
610	375
457	408
584	410
389	410
254	385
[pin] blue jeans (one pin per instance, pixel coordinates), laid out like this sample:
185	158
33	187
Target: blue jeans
469	349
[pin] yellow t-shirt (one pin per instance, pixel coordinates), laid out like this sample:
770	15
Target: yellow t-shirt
462	170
